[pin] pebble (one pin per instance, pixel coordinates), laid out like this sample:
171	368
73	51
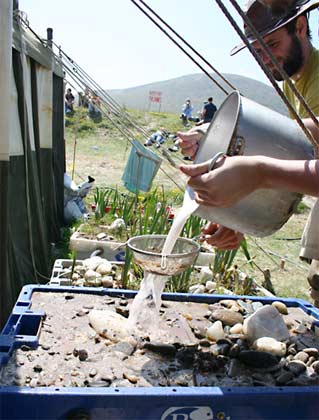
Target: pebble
227	317
236	329
270	345
83	355
132	378
284	378
281	307
163	349
296	367
257	359
92	373
107	281
210	285
302	356
215	332
204	343
315	367
312	351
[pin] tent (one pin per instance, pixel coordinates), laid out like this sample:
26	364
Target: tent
32	157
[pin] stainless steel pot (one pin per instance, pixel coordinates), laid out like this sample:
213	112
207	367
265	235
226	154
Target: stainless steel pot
243	127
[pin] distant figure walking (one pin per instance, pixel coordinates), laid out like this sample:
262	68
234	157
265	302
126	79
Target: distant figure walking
69	101
187	111
208	112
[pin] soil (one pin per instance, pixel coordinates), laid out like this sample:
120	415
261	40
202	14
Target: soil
71	354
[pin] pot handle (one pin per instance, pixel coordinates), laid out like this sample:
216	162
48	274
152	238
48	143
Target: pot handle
214	160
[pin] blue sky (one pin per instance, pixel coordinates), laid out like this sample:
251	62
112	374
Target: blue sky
119	47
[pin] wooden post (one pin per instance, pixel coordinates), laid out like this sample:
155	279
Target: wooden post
49	37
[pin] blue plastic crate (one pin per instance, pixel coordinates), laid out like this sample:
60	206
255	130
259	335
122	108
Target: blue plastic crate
170	403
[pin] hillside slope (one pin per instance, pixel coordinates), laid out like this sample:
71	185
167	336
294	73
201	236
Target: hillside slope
197	87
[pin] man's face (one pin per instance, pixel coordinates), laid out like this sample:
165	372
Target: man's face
287	50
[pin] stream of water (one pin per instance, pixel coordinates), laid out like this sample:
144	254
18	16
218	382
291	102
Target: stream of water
144	310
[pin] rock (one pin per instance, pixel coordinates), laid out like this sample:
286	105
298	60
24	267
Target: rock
257	359
93	262
210	285
236	329
107	281
270	345
205	275
256	306
197	289
132	378
315	366
164	349
296	367
312	351
91	275
284	378
83	355
302	356
104	268
281	307
247	307
215	332
109	324
266	322
227	317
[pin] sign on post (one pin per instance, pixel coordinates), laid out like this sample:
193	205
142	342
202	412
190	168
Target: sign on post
155	96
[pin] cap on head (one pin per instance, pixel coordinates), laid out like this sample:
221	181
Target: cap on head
269	15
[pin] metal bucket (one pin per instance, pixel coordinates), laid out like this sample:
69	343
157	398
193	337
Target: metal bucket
243	127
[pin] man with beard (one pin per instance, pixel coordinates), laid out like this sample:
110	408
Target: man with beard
285	30
284	27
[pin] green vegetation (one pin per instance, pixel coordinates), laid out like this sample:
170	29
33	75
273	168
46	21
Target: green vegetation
102	151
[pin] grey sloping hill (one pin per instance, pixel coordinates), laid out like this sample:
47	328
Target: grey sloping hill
197	87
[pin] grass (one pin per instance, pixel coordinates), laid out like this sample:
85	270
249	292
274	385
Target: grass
102	151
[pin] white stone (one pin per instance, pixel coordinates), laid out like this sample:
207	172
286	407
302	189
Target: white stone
91	275
215	332
265	322
93	262
270	345
205	274
236	329
210	285
107	281
104	268
197	288
109	324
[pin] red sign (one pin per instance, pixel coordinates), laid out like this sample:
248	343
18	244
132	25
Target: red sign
155	96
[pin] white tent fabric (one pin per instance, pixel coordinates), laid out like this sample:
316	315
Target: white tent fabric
15	139
45	90
5	72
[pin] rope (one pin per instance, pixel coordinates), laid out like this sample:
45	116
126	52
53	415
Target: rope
187	44
180	47
262	65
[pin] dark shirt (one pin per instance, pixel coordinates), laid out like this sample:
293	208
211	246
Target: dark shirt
209	111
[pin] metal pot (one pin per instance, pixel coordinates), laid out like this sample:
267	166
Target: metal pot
243	127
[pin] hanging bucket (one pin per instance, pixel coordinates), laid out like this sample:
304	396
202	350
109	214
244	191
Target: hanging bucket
243	127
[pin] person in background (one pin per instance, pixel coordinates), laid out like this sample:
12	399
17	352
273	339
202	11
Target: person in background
69	101
208	112
187	110
157	138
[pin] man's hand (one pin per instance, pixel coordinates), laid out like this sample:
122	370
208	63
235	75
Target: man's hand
188	142
232	179
221	237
